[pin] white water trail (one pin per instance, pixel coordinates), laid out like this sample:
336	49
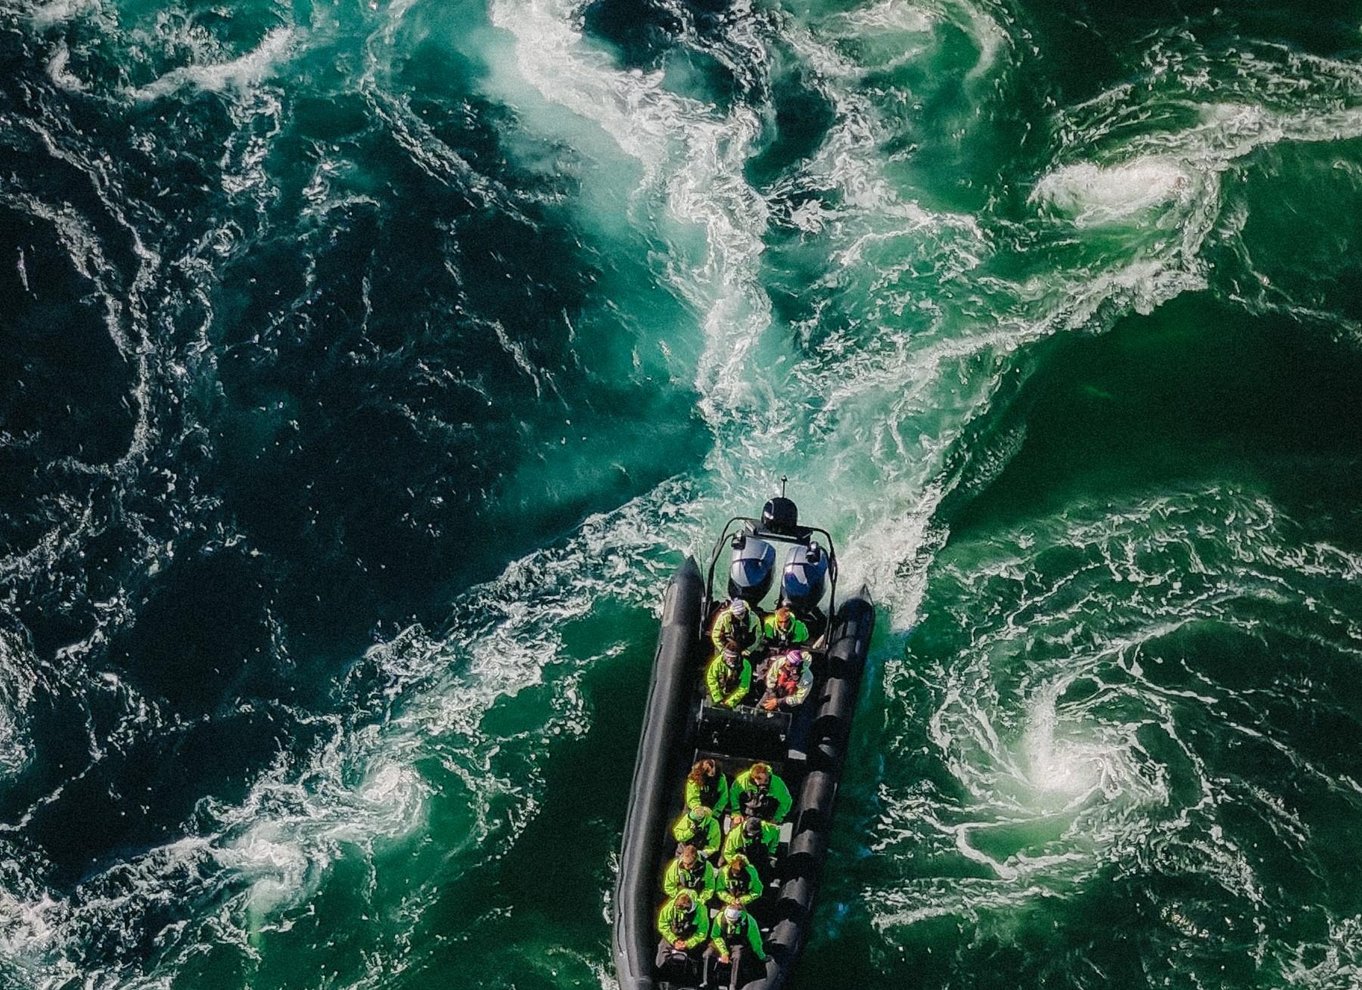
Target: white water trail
242	72
691	157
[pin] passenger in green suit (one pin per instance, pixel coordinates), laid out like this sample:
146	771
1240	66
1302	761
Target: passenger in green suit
699	827
729	678
759	793
782	631
683	922
739	627
755	839
737	882
689	872
734	939
706	784
684	925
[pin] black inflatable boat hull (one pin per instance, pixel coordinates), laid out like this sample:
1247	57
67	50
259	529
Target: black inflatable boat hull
665	749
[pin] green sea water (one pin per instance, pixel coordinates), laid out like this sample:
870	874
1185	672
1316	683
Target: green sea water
369	366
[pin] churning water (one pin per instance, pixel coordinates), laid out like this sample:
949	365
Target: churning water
367	366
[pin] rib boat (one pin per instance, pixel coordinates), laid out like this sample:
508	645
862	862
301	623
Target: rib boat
805	747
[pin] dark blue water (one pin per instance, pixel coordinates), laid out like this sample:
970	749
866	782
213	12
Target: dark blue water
366	369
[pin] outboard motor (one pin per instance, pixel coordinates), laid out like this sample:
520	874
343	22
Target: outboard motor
752	570
806	574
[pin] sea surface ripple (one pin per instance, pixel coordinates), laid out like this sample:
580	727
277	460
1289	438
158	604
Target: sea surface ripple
368	366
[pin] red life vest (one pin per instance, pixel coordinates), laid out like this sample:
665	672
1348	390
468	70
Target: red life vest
787	682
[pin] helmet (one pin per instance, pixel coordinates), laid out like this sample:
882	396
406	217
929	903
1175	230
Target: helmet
738	608
733	914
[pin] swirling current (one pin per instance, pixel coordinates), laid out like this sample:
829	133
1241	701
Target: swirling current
367	367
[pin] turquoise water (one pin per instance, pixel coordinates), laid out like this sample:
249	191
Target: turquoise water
369	366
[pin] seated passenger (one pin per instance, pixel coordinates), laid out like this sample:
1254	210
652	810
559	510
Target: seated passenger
729	678
782	631
789	679
756	840
683	924
706	785
734	941
737	882
689	872
737	626
759	793
699	827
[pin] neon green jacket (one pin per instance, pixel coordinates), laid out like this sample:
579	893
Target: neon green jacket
724	934
751	630
742	785
699	880
672	922
744	891
797	633
737	842
705	835
714	679
694	799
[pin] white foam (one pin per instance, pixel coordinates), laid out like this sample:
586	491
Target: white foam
361	790
1333	962
1093	195
240	73
1073	760
59	73
902	394
124	308
60	11
1060	782
17	682
692	159
28	927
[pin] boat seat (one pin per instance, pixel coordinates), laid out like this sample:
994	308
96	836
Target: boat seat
743	732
